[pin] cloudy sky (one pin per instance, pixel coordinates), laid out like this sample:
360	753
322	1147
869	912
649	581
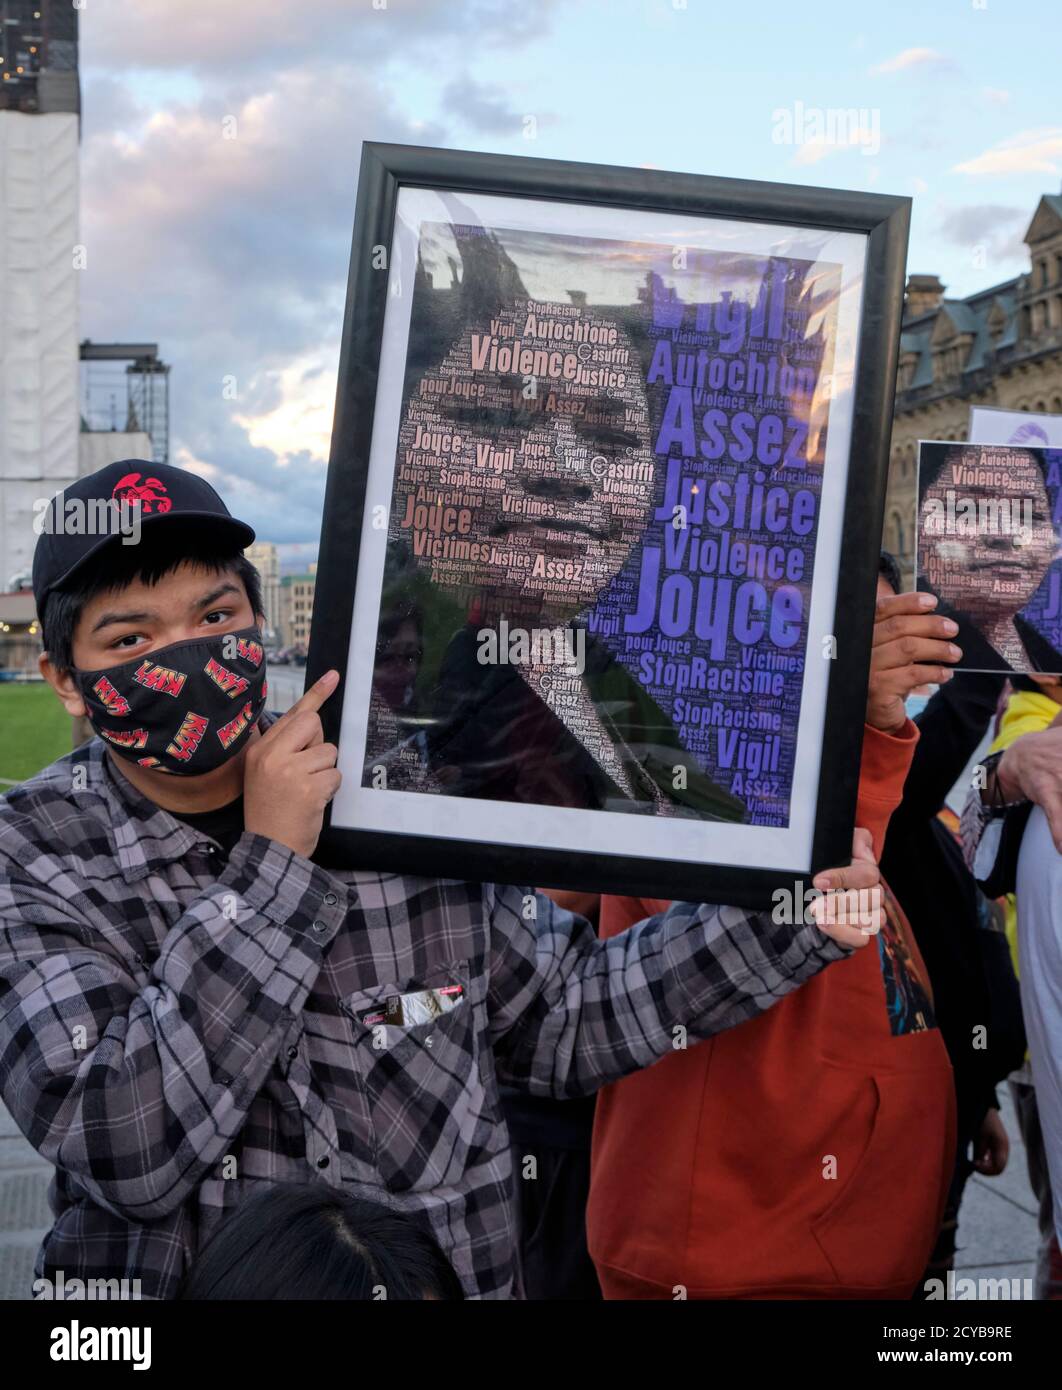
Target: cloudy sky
231	253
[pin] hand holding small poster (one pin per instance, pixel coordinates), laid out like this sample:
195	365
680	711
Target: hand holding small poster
988	546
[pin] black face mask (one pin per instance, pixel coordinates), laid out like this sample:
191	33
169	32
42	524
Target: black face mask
186	708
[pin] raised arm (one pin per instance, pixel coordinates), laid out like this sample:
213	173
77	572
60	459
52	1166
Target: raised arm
570	1012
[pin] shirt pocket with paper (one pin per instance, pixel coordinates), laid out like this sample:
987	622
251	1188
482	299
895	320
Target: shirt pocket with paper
419	1048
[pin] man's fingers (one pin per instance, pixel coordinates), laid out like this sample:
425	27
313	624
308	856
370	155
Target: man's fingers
891	629
859	874
851	909
848	936
851	918
909	680
315	697
863	912
296	730
893	605
294	727
863	845
319	757
913	651
327	783
925	675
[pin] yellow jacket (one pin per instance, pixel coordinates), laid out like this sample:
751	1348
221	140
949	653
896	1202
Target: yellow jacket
1026	713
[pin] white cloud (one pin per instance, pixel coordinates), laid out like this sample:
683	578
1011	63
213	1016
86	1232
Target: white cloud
813	151
991	232
232	255
301	421
219	167
184	458
911	58
1028	152
240	36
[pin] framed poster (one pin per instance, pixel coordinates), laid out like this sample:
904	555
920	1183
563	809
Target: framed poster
989	545
601	528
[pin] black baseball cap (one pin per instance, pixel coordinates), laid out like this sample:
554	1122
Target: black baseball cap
71	536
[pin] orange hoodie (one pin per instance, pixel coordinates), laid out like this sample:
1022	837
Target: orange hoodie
804	1154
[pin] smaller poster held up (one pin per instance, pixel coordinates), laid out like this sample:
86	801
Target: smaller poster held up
989	545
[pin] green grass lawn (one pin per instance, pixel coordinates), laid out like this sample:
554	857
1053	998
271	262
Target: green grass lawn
34	731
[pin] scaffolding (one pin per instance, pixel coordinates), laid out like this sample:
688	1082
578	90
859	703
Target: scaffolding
38	56
134	396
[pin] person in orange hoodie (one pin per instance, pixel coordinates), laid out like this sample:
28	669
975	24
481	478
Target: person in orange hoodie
805	1153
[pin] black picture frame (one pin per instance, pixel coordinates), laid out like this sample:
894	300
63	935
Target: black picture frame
884	221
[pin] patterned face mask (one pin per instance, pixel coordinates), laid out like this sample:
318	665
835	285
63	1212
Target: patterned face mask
186	708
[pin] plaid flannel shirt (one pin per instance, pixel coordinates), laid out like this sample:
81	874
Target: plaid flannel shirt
176	1029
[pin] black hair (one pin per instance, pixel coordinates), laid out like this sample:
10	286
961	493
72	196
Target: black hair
889	569
317	1242
118	566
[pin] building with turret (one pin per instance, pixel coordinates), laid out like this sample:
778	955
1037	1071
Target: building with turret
1000	347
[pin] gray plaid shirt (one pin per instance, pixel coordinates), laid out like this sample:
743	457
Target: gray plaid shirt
176	1028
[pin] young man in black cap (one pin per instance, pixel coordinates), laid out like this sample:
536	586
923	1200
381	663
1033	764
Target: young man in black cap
190	1007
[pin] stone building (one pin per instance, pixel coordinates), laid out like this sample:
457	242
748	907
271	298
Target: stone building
1001	347
297	592
263	555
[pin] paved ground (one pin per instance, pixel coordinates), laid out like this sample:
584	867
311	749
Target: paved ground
997	1226
24	1215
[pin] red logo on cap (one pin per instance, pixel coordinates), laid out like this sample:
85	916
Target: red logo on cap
149	494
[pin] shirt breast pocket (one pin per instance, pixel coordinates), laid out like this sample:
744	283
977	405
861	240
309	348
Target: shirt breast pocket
418	1049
